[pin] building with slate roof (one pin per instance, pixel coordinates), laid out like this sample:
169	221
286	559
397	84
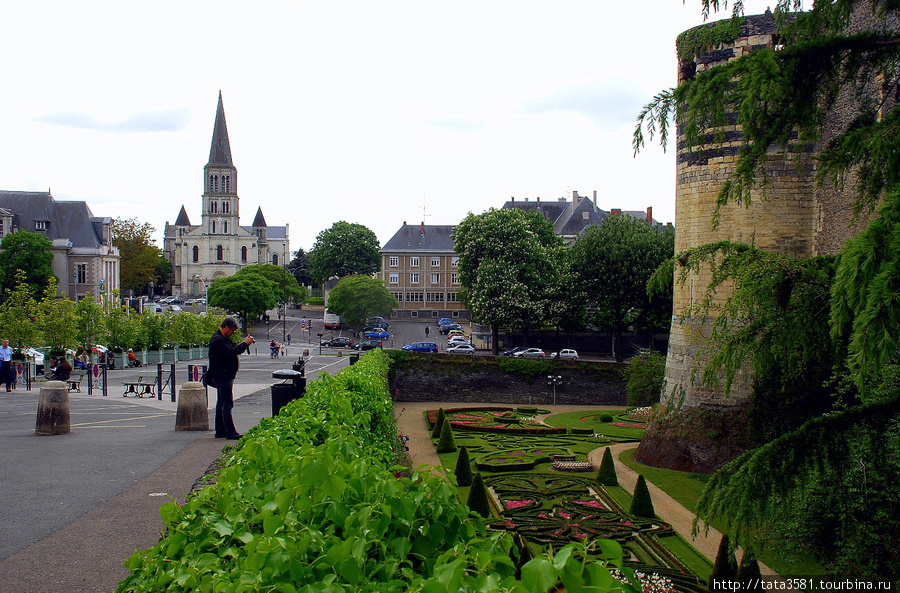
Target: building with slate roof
84	258
419	267
571	219
219	246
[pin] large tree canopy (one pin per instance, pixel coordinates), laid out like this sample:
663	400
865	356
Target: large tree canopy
511	266
343	250
286	284
30	253
612	264
830	486
249	295
141	261
356	298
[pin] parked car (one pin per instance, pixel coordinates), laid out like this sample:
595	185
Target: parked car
175	308
461	349
369	344
458	340
338	342
444	321
331	321
377	332
456	332
375	325
512	351
421	347
566	354
376	321
445	329
530	353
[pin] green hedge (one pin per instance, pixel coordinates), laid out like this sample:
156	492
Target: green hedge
309	501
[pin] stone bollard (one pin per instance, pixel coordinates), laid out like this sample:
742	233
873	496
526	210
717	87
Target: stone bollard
53	409
192	413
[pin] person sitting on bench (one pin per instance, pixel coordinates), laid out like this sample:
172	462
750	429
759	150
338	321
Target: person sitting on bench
60	369
133	361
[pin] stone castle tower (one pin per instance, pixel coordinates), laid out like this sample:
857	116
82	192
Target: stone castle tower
794	217
219	246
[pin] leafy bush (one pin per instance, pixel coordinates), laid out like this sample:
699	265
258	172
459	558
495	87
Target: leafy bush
606	476
606	417
641	503
644	378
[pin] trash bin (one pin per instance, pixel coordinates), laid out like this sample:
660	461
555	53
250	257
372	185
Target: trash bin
354	358
292	386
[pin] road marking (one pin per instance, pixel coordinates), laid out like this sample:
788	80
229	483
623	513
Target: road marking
86	424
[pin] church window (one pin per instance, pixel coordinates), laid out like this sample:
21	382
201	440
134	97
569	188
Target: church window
275	259
213	206
214	227
196	253
225	227
228	184
224	207
210	182
244	253
219	253
216	181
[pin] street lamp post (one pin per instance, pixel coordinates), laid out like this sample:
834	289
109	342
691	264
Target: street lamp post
554	380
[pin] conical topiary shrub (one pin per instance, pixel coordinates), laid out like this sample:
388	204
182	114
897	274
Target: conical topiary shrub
641	503
725	568
463	469
748	573
446	444
606	476
478	497
438	424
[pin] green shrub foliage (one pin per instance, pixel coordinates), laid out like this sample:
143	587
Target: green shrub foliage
478	497
725	567
446	444
606	476
463	469
606	417
641	503
644	377
748	573
438	424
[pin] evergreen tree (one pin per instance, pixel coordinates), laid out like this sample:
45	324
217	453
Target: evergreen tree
478	497
606	476
438	424
748	573
641	503
725	567
446	444
463	469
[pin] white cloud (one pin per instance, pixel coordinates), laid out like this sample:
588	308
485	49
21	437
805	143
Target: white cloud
607	104
149	120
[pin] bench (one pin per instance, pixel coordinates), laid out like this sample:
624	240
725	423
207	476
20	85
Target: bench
75	379
145	385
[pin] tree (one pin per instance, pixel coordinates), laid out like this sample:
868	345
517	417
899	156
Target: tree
641	502
17	315
478	501
463	470
89	322
56	316
344	249
356	298
141	261
725	568
511	268
301	268
612	263
249	295
288	288
32	254
606	475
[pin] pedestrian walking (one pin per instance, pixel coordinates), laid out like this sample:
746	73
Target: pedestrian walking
6	372
289	339
223	368
426	331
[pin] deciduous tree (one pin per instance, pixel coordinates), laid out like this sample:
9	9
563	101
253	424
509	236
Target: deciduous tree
344	249
289	290
249	295
142	260
356	298
17	315
32	254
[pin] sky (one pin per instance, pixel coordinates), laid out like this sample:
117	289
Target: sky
375	113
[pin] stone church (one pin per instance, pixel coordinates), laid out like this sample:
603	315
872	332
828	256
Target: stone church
219	246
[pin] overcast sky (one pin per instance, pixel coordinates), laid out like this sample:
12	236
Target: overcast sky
369	112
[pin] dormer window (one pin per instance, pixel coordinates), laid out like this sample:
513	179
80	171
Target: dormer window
40	225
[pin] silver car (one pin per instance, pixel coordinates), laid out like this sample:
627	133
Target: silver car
530	353
566	354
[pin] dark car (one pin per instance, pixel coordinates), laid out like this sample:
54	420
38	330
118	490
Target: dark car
377	322
513	351
338	342
369	344
421	347
445	329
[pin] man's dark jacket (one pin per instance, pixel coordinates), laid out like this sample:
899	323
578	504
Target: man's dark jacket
223	357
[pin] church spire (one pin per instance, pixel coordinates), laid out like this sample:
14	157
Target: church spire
220	150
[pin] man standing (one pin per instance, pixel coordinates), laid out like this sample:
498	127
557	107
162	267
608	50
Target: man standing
6	375
223	367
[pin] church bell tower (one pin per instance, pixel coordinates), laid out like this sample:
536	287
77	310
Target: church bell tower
221	213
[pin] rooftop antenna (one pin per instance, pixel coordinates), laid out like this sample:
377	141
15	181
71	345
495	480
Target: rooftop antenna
423	209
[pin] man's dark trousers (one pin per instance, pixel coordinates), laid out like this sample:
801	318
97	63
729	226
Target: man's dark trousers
224	405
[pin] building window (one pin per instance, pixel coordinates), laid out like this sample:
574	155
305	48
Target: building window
196	253
413	278
414	297
395	261
220	252
216	181
394	279
435	262
454	278
274	259
40	225
435	297
80	273
210	183
225	227
244	253
414	262
214	207
224	207
435	278
452	297
214	227
398	296
454	261
227	184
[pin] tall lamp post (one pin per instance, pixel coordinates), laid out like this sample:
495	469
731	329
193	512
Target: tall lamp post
554	380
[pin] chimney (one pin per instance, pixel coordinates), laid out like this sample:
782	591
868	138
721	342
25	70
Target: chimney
615	211
512	199
423	228
649	214
539	201
404	223
574	195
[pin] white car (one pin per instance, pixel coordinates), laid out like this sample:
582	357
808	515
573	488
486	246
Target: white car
530	353
566	354
461	349
455	340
